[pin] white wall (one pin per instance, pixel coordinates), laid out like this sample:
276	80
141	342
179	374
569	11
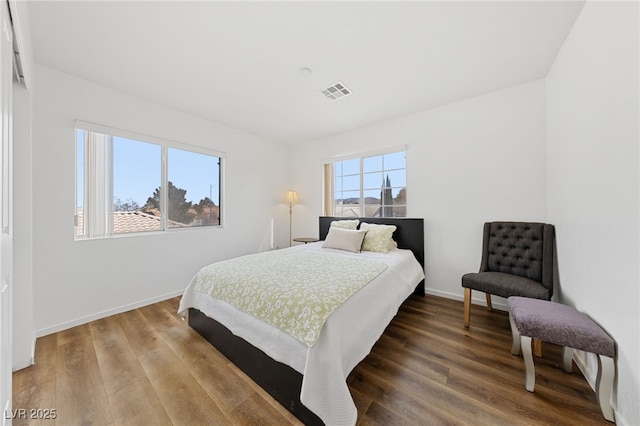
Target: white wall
76	281
477	160
593	188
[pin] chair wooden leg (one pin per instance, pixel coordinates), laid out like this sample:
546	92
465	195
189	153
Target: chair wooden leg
567	358
537	347
489	301
467	306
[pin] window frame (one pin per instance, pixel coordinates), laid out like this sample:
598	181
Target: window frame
360	156
164	145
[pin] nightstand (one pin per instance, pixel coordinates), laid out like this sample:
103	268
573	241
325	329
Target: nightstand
305	240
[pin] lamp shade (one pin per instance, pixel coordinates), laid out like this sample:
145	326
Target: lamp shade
291	197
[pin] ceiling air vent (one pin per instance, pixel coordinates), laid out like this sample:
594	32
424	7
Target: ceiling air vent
336	91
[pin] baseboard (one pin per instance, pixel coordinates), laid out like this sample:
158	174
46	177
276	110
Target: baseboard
83	320
443	294
18	363
580	358
498	303
620	421
24	363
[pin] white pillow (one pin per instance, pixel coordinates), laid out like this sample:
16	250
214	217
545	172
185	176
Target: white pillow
378	237
344	239
345	224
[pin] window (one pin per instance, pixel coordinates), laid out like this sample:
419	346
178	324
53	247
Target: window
372	186
128	185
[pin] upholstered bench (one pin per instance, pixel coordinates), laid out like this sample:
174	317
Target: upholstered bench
565	326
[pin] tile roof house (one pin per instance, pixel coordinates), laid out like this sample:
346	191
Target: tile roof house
129	222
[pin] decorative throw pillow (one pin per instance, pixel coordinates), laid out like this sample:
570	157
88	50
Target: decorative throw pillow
345	224
378	237
344	239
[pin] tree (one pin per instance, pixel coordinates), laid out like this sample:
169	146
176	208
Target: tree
206	212
204	203
178	206
129	205
400	204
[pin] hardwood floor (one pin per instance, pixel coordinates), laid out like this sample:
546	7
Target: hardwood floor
147	367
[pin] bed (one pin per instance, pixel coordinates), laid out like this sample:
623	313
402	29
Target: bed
294	372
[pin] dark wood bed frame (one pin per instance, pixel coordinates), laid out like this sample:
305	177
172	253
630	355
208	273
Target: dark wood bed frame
282	382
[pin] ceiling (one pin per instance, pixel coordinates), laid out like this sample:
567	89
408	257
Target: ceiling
238	63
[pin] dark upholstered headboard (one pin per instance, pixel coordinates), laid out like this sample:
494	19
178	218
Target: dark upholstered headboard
409	233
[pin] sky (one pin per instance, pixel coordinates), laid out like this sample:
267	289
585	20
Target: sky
137	171
375	171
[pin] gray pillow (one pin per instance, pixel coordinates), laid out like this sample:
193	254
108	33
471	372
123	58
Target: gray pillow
344	239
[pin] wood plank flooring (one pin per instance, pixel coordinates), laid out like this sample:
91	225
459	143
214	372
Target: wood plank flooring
147	367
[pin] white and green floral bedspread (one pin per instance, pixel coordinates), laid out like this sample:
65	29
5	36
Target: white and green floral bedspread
293	290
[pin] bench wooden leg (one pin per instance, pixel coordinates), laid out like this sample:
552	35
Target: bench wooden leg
567	359
530	370
515	346
467	306
604	385
537	347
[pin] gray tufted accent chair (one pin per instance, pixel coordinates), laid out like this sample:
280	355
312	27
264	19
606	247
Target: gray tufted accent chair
517	260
